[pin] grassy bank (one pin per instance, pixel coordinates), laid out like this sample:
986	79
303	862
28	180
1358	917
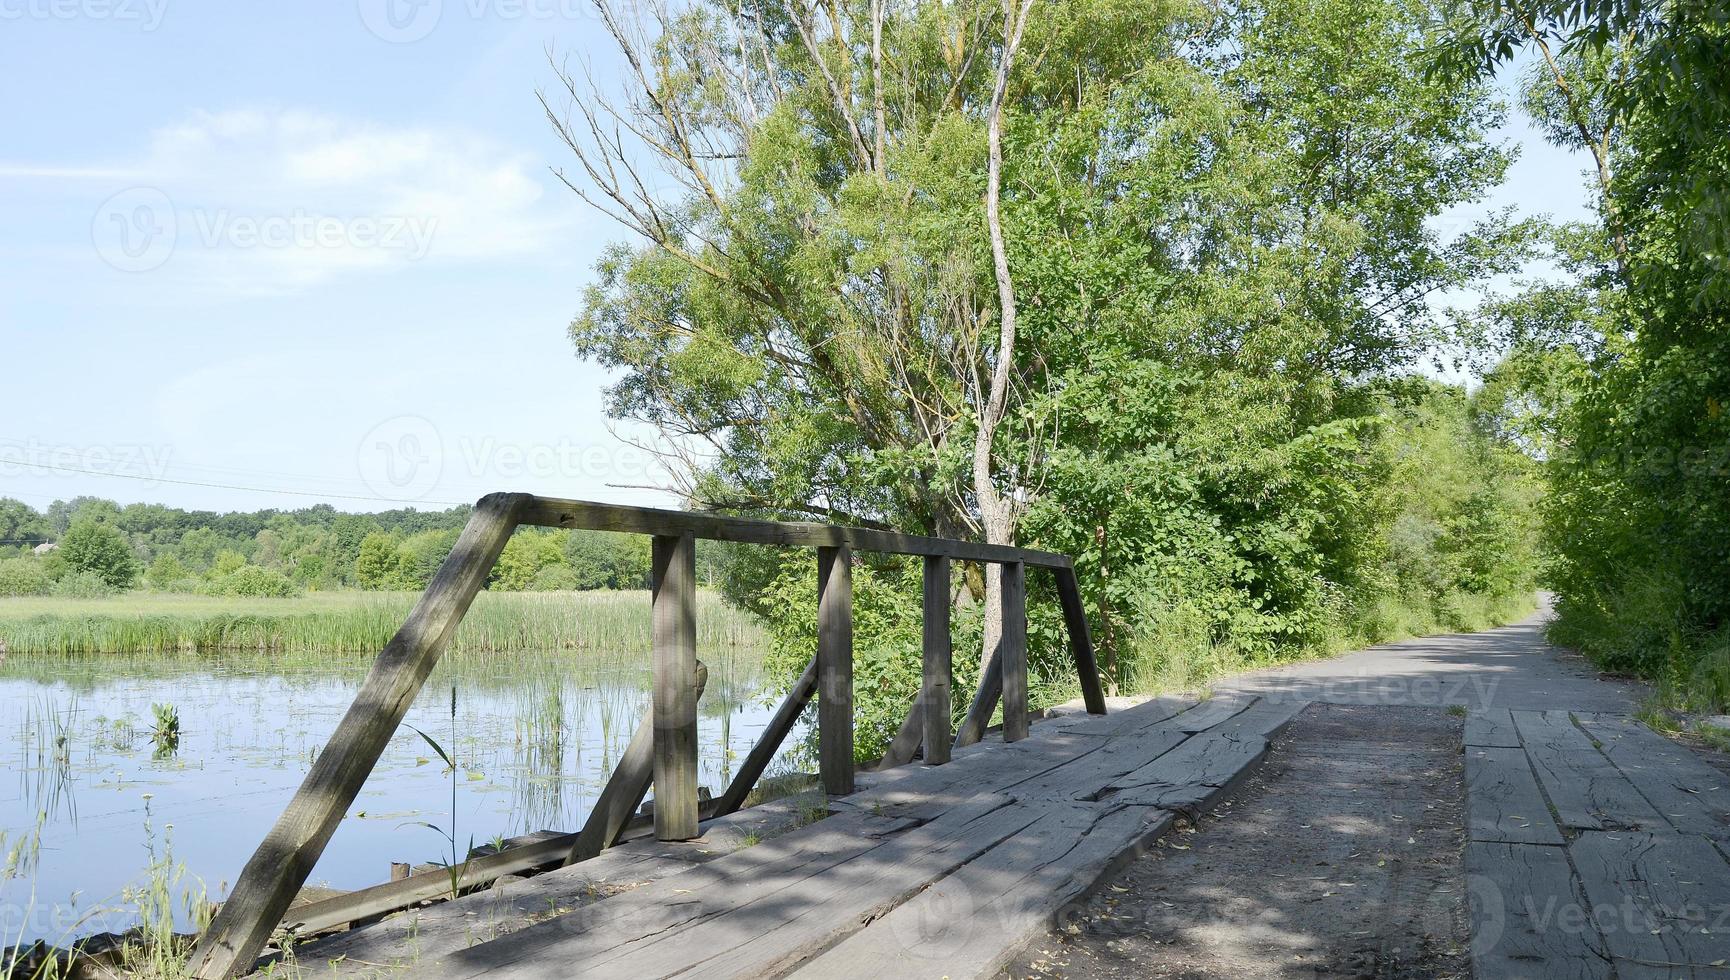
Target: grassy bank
348	621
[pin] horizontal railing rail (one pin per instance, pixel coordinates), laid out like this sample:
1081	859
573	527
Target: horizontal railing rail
663	751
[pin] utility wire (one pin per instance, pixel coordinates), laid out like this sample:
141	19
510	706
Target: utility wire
60	468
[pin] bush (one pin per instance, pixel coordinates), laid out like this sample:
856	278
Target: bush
82	585
23	576
255	582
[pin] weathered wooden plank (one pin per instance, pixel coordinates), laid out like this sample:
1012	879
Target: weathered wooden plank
991	766
1492	728
587	515
280	866
1661	901
1080	640
1087	777
1266	718
937	664
1690	794
808	881
835	668
974	921
1587	791
1192	776
1214	711
674	685
445	927
1503	802
776	732
1529	918
1014	651
625	788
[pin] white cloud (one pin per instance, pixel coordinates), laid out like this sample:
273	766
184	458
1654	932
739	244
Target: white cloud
267	202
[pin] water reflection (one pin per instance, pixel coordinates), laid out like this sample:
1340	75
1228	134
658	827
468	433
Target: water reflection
534	738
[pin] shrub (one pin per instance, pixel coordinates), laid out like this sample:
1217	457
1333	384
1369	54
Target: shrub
23	576
253	581
82	585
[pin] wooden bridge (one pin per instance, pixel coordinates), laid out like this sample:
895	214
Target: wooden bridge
943	869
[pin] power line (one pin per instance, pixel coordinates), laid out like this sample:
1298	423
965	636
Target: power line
59	468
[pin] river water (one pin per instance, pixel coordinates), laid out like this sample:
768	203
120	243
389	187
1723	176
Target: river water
90	802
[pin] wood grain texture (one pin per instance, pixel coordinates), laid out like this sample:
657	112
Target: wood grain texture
1660	900
1529	917
445	927
1587	791
1503	802
674	685
973	922
835	669
937	703
1492	728
587	515
1080	640
277	870
1013	653
1691	795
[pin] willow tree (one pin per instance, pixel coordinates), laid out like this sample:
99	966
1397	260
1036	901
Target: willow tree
903	263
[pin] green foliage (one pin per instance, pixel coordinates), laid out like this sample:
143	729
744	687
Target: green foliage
81	585
101	550
23	576
253	582
166	572
1631	360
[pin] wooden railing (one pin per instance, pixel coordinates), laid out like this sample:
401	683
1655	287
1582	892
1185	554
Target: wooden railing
664	750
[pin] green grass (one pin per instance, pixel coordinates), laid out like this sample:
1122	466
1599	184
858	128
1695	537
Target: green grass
333	622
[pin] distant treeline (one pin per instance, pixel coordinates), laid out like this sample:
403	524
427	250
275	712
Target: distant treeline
101	547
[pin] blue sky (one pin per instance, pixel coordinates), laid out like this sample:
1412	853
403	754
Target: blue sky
317	247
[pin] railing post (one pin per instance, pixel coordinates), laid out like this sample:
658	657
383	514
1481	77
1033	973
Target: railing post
1080	640
934	694
1014	654
835	668
675	686
625	788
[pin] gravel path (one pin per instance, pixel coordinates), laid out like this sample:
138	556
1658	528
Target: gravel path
1341	857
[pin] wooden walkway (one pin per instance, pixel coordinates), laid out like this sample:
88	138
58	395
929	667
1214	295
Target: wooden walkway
924	871
1597	849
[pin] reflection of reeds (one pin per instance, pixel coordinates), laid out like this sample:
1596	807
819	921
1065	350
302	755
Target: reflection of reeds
348	621
45	771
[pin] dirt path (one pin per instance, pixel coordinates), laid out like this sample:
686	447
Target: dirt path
1341	857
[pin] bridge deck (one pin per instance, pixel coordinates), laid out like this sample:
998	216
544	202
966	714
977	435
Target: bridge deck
940	871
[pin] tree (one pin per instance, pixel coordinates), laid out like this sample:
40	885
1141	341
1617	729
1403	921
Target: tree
905	254
93	546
